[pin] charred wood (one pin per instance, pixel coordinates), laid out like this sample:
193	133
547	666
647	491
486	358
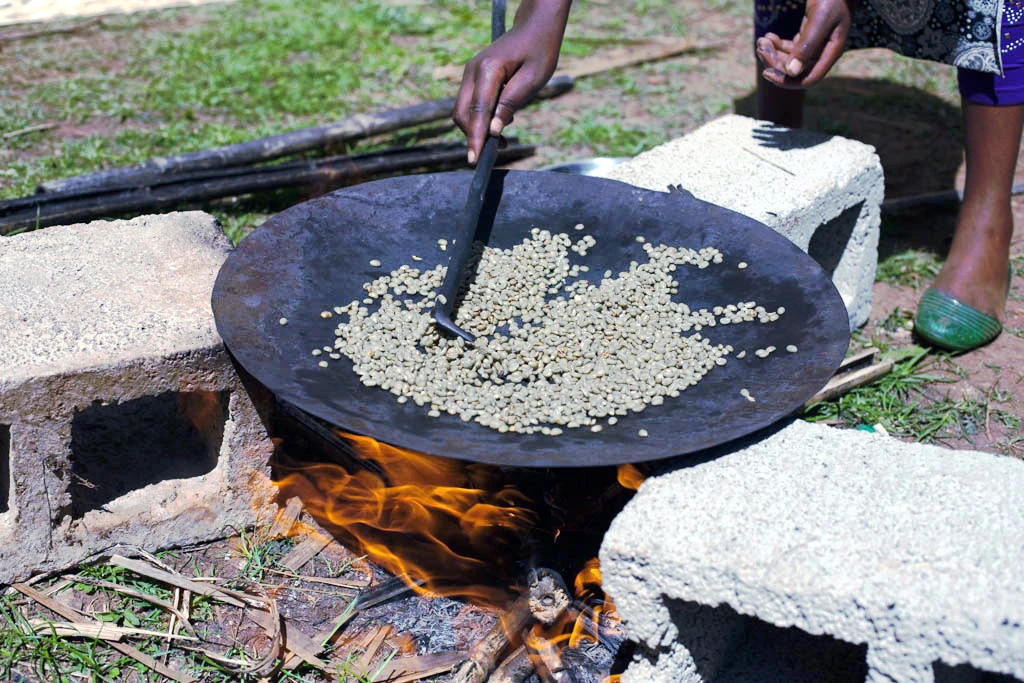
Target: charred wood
486	654
545	601
323	175
546	657
548	596
355	127
516	668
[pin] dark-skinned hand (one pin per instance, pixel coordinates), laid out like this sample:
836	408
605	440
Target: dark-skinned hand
804	60
509	72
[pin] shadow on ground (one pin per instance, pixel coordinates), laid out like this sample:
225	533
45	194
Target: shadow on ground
918	137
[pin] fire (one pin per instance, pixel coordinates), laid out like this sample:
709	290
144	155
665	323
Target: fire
588	579
630	477
204	410
451	526
591	621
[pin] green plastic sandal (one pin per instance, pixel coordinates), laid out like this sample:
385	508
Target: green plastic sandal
948	323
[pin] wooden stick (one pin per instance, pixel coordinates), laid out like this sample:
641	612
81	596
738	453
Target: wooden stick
859	358
516	668
305	551
650	50
487	651
844	383
547	661
285	518
325	175
372	645
406	669
360	166
127	650
340	583
29	129
332	135
23	35
101	630
655	50
170	579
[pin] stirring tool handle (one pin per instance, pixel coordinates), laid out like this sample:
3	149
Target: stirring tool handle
468	219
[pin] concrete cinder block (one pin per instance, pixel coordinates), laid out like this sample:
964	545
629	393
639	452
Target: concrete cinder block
121	415
822	192
904	558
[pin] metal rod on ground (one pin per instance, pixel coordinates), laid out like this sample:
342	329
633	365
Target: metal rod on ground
328	174
355	127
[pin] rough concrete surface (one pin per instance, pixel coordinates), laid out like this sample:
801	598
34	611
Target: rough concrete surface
106	334
88	295
911	553
822	192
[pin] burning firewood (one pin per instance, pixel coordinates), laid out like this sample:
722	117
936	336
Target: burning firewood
545	602
549	597
546	659
484	656
516	668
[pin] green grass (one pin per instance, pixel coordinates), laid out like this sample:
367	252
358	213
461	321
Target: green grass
48	656
172	81
62	659
607	136
229	73
905	404
911	268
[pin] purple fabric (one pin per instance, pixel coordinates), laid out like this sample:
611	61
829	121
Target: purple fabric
783	18
1008	89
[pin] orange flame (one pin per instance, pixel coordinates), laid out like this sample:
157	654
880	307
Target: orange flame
204	410
630	477
449	525
602	615
589	578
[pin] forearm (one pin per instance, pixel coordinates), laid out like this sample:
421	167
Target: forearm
549	16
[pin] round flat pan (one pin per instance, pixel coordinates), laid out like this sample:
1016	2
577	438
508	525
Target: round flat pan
316	255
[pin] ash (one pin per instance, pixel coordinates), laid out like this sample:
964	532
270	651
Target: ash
435	624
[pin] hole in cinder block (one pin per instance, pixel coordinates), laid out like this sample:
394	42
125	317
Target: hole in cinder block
5	468
117	448
828	243
965	673
729	647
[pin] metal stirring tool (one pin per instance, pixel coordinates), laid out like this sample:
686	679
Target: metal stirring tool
462	243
